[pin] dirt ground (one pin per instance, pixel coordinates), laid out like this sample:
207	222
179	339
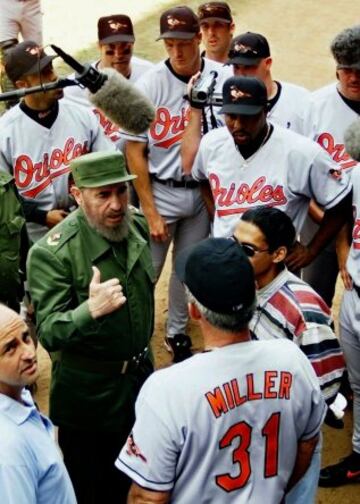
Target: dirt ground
299	33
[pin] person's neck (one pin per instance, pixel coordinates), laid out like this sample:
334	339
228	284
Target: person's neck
10	391
268	276
218	338
346	95
189	72
271	87
250	149
34	104
220	57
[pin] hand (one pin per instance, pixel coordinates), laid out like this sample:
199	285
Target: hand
189	88
104	297
53	217
346	278
158	228
299	257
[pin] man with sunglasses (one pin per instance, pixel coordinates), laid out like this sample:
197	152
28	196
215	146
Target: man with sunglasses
288	308
116	40
39	138
251	162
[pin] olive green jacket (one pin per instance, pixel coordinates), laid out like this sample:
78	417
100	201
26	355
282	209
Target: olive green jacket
88	390
13	243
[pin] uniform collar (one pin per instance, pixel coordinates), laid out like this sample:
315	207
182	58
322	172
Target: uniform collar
16	411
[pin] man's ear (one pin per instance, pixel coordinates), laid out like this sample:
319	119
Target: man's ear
194	312
76	192
280	254
20	84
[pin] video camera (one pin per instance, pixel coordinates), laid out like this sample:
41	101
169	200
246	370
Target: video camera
202	92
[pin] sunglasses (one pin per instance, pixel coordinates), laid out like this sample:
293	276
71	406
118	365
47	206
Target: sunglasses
250	250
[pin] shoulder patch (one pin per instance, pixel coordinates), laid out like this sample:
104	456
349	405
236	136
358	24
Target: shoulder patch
62	233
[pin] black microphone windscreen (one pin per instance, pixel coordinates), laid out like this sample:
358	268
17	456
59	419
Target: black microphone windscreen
123	104
352	140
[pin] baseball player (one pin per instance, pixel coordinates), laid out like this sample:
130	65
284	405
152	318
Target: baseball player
232	424
330	111
348	469
252	162
171	203
217	28
116	43
17	17
39	138
288	308
250	56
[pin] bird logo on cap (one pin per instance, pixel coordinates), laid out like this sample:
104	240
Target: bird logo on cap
237	95
174	22
244	49
34	51
116	25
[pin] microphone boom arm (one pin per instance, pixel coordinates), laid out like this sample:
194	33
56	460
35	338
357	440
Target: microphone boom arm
20	93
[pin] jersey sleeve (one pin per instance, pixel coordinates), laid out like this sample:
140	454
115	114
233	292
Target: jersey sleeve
314	407
328	183
99	142
151	452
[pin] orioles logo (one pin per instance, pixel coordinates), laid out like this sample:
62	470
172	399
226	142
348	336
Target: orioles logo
116	25
133	449
173	22
236	94
243	49
34	51
336	173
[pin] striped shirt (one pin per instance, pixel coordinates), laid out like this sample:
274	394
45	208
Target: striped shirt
289	308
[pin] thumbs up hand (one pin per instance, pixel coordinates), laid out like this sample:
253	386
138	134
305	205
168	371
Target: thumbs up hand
104	297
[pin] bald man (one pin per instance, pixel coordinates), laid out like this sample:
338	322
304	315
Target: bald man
31	469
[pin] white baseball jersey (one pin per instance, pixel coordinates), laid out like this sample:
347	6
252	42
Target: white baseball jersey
166	91
286	111
39	157
325	120
223	426
79	95
353	262
285	172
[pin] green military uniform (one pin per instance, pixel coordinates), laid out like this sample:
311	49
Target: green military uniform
13	243
93	387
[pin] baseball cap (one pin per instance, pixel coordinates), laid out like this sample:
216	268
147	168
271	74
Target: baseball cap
346	48
243	95
26	58
217	11
99	169
179	23
248	49
218	274
115	28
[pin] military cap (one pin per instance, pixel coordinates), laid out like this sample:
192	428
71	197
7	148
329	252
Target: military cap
99	169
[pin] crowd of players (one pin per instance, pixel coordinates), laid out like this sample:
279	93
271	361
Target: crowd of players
272	176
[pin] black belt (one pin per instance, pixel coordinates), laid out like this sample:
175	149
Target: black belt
188	184
357	289
104	367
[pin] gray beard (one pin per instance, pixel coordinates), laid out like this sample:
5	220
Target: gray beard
116	234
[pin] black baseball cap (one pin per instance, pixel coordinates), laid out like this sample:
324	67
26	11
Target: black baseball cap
217	11
115	28
243	95
178	23
248	49
26	58
218	274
